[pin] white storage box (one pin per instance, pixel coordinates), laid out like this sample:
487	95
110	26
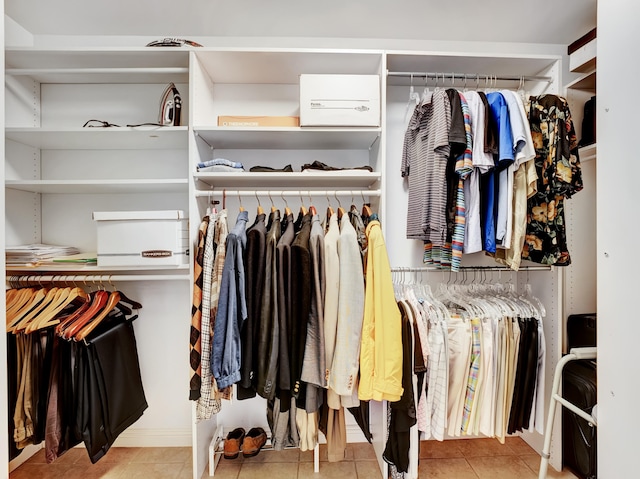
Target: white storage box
142	238
339	100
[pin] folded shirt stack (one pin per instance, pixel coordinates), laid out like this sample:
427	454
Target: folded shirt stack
220	165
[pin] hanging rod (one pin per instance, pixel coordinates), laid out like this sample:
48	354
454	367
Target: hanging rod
231	193
469	76
502	269
94	278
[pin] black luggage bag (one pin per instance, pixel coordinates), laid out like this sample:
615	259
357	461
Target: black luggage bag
579	386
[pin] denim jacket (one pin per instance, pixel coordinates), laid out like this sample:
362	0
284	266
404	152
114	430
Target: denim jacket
232	308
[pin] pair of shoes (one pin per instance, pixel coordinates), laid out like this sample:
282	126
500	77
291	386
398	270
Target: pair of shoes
250	442
233	443
253	442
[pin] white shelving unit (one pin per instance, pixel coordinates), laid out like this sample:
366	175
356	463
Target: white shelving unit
57	173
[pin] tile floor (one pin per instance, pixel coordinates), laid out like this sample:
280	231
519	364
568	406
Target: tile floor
454	459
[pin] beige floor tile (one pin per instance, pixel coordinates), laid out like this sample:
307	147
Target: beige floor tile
533	461
457	468
288	455
155	471
162	455
45	471
363	451
224	471
483	447
103	470
505	467
519	446
307	456
121	455
328	470
37	458
186	472
73	456
368	470
440	449
269	470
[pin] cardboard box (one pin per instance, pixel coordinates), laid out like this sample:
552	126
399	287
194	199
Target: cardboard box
142	238
339	100
258	121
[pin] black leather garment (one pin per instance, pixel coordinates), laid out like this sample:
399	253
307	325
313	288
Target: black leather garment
111	396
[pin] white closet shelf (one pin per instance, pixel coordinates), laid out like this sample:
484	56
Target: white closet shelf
586	82
87	269
588	153
289	138
116	138
178	185
99	65
328	179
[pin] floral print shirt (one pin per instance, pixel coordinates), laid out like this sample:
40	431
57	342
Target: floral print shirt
559	177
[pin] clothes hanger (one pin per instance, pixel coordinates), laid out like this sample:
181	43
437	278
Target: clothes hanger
341	211
273	207
260	210
114	298
287	210
329	210
303	209
240	202
366	207
98	301
414	98
50	317
312	209
41	300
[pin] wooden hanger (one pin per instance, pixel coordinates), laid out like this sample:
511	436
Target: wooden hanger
240	201
260	209
67	321
113	300
49	317
41	300
303	209
16	300
99	300
341	211
273	207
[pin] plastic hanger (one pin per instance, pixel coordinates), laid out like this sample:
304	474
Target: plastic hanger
414	99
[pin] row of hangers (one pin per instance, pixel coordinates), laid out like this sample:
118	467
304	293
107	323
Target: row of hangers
366	207
477	299
490	84
74	311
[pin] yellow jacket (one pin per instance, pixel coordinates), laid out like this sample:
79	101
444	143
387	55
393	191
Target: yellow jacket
381	343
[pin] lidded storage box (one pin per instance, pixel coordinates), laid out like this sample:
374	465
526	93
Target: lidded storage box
339	100
142	238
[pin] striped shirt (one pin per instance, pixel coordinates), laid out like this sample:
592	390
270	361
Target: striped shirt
424	160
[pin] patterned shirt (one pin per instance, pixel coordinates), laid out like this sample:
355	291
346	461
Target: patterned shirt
559	177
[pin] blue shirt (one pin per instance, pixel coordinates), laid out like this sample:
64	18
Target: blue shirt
500	113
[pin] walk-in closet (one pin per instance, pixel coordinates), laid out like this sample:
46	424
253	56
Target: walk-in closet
88	137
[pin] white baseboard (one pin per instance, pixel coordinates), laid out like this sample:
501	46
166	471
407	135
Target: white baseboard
24	456
137	437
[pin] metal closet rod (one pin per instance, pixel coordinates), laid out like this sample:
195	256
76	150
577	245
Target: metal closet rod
502	269
231	193
94	278
469	76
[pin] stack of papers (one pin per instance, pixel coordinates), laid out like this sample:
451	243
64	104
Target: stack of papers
37	254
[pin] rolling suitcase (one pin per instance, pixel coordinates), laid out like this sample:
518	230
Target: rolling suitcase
579	445
579	386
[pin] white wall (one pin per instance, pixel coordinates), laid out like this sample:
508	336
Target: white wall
618	261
